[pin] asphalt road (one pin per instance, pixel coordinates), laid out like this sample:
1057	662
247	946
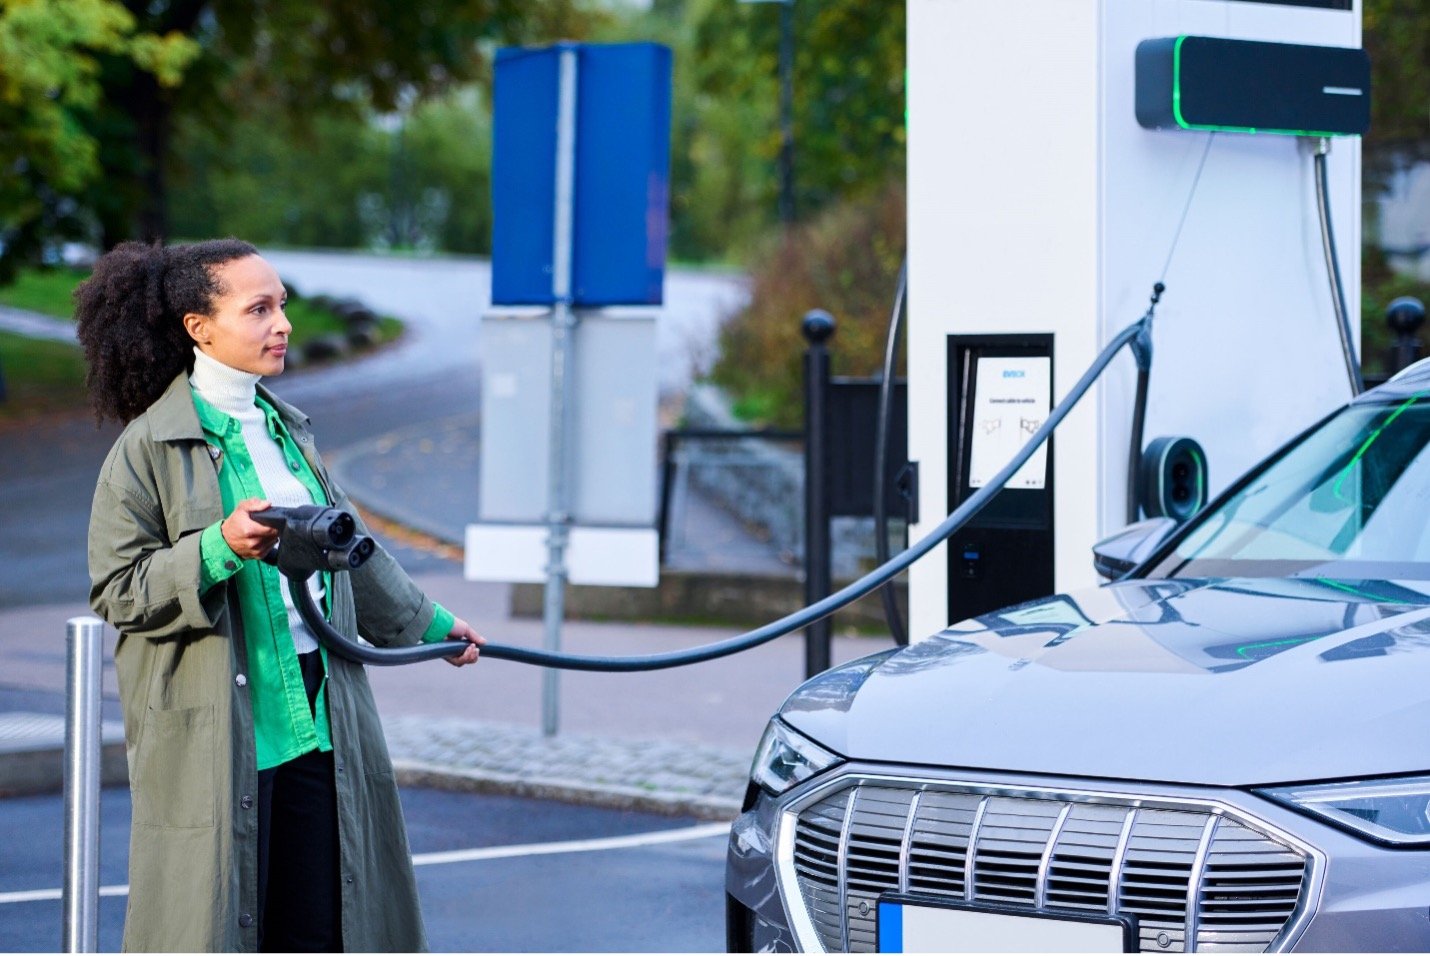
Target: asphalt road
495	874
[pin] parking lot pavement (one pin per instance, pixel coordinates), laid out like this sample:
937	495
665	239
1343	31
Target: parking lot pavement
494	874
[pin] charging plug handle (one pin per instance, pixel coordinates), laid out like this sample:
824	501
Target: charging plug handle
315	538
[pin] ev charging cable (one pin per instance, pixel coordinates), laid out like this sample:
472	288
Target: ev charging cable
364	654
881	455
1142	350
1333	266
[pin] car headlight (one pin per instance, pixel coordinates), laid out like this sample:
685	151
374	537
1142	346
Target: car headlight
785	758
1396	811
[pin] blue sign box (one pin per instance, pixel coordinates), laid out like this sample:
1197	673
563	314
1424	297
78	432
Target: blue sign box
622	181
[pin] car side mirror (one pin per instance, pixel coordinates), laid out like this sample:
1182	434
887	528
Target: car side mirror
1122	551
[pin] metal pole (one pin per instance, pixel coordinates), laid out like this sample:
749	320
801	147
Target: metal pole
817	326
84	639
563	324
787	112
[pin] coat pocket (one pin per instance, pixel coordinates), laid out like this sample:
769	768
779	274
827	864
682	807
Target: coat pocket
174	771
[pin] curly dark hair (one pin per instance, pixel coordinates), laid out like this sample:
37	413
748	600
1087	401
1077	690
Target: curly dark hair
130	314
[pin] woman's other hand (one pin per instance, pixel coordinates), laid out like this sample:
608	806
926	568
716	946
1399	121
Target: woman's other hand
462	631
247	537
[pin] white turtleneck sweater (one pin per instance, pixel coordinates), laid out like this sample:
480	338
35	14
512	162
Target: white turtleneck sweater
235	394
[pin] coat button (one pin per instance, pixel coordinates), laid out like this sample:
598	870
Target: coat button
241	681
230	565
294	465
246	802
245	920
348	881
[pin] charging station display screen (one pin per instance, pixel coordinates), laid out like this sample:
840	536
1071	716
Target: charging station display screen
1012	397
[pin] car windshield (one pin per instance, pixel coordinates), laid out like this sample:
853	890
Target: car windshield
1351	500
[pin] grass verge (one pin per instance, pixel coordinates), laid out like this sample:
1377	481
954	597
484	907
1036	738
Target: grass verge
40	376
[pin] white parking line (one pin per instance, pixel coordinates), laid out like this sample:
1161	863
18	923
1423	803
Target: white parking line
572	846
40	896
654	838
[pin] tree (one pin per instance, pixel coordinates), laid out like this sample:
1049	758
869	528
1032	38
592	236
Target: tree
309	57
848	88
51	54
848	111
259	179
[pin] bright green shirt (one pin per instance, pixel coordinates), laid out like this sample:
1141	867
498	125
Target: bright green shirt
284	727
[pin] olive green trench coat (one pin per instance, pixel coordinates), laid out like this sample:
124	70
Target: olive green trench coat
188	721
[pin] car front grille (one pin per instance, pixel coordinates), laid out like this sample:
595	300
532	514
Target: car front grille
1184	873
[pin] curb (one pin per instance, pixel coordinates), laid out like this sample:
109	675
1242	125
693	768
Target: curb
655	776
413	773
26	771
32	753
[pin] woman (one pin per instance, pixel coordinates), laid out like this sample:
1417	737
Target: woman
265	815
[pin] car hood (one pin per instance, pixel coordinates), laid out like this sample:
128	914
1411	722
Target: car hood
1227	683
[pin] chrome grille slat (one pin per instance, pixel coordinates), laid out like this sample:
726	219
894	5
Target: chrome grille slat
970	849
842	862
909	820
1197	878
1194	884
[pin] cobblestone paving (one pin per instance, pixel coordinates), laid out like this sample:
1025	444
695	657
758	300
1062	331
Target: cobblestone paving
659	775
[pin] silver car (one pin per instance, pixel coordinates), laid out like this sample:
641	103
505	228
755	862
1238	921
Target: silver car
1226	749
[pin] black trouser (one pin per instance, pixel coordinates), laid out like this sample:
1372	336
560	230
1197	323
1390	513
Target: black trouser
299	898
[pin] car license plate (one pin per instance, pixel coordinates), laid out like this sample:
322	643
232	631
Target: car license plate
911	925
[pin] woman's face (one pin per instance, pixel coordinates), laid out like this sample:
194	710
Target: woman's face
247	330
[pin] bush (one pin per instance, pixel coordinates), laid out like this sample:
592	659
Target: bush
846	261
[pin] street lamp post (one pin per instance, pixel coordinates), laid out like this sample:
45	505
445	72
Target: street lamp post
786	161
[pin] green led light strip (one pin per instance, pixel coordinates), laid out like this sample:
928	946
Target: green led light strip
1212	128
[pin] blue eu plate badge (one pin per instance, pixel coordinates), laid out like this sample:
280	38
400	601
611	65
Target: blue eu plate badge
914	925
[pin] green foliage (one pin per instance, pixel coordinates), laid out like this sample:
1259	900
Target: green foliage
1397	37
414	181
448	166
51	85
847	261
848	91
848	111
104	97
50	74
273	182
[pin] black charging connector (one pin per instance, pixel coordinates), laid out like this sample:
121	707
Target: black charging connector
314	538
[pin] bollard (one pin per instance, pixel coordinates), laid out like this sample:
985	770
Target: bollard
817	327
1405	315
84	639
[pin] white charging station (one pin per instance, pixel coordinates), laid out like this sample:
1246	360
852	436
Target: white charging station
1040	216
